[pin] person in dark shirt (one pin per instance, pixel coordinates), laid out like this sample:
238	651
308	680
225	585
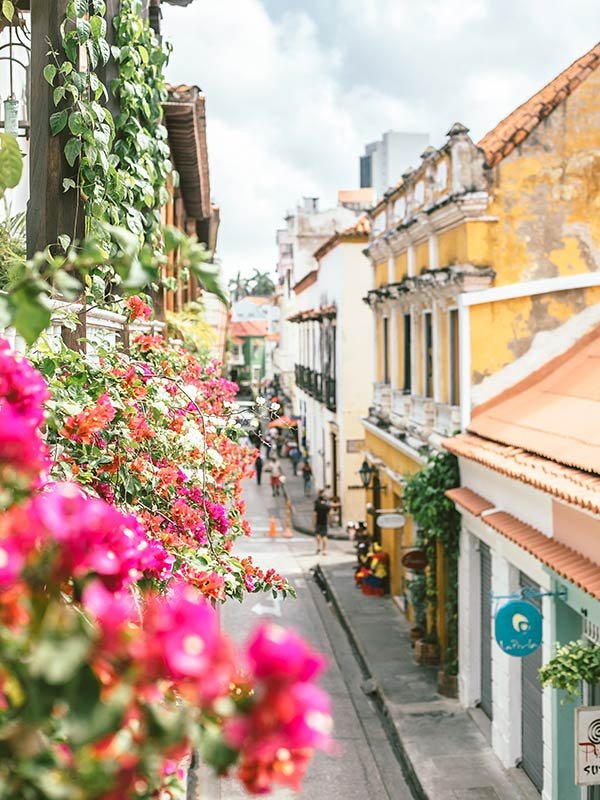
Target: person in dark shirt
321	520
258	466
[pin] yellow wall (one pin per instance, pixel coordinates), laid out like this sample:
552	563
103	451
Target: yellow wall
381	274
422	256
401	267
503	331
391	498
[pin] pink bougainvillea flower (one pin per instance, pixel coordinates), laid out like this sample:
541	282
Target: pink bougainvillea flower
91	421
282	655
95	537
12	561
138	309
21	386
110	609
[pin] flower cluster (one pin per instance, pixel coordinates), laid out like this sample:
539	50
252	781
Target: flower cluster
158	439
23	455
112	662
290	716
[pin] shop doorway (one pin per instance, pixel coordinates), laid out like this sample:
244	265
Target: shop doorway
532	750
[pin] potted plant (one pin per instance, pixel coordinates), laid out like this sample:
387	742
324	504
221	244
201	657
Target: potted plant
427	651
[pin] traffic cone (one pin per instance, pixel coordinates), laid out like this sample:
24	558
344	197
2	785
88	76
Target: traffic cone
272	528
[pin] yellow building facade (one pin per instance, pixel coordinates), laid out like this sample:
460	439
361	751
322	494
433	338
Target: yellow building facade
475	255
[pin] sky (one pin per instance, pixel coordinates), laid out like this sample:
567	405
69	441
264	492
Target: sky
296	88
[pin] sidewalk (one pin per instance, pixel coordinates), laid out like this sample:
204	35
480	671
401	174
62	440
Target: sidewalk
302	507
444	754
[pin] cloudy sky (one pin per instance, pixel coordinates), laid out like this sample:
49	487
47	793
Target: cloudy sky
295	88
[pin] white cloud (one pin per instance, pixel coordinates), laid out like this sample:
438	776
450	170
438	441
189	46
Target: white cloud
295	88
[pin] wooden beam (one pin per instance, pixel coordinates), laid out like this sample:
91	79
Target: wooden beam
51	211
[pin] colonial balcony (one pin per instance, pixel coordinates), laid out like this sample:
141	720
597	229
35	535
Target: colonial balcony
316	384
382	400
415	416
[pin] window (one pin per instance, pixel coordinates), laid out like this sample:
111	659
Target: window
386	350
427	354
454	365
407	354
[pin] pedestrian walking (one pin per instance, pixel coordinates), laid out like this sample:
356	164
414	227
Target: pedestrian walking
321	521
307	478
275	477
295	458
258	467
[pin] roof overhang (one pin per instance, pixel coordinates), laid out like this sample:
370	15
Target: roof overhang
185	119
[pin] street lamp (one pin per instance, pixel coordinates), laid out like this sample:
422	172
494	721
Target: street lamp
366	472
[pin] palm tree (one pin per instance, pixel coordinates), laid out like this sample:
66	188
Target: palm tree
239	287
261	284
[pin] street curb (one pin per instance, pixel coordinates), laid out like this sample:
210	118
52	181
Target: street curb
378	695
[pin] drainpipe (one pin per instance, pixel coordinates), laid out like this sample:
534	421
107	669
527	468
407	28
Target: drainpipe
563	283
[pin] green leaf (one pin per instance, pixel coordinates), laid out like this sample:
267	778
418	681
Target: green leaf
82	7
58	121
31	313
8	9
104	50
64	241
50	73
59	94
211	278
72	151
11	162
93	52
67	285
98	27
83	30
57	659
77	124
68	183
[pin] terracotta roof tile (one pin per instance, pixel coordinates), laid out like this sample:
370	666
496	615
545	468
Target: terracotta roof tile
560	558
251	327
469	500
313	313
555	412
572	485
361	229
515	128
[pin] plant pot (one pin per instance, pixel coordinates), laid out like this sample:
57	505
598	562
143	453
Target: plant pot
427	654
447	684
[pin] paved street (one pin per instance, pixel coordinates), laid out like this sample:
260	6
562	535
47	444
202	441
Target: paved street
365	766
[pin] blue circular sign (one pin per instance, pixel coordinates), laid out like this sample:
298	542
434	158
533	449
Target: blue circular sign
518	628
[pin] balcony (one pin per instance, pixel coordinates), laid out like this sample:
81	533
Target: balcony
382	400
321	387
416	416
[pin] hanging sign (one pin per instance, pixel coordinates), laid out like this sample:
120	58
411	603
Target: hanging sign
415	560
587	745
390	521
518	628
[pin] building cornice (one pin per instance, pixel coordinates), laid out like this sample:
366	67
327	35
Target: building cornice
434	283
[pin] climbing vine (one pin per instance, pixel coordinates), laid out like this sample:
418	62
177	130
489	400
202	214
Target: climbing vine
438	521
573	663
78	96
141	141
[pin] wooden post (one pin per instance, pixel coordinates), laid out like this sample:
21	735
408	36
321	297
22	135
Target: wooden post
51	211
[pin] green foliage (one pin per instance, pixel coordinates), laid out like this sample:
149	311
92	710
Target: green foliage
78	96
573	663
438	521
191	327
260	284
12	248
141	145
11	163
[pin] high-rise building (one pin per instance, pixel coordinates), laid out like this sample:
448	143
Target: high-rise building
384	161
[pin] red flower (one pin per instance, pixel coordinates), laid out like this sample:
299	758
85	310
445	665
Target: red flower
138	309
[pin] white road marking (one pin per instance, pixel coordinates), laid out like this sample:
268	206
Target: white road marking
274	609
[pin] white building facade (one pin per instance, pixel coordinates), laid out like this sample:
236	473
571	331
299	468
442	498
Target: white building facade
332	365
